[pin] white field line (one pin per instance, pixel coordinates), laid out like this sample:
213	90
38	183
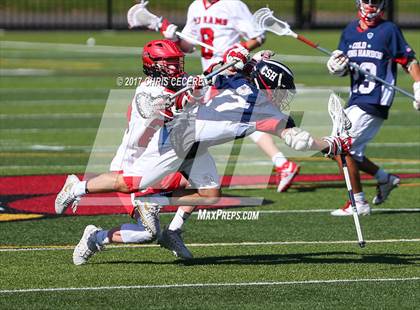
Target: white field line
105	167
128	50
113	147
204	285
58	116
26	72
54	101
203	245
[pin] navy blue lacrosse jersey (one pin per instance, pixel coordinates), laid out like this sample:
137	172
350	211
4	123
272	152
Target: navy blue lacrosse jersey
377	50
237	110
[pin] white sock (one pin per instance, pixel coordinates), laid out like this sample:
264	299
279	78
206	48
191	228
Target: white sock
360	198
279	159
179	219
381	176
102	237
79	189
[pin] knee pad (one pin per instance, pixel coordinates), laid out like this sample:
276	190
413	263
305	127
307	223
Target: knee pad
135	233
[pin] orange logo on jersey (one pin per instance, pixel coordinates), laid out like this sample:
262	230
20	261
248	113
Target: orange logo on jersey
210	20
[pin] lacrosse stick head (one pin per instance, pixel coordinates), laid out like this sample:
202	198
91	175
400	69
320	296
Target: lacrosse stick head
150	106
341	123
268	22
139	16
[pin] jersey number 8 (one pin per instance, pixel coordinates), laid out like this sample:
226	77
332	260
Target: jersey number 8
207	36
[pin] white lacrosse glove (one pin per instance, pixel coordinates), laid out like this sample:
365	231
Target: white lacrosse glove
297	138
239	53
338	63
139	16
169	31
416	88
265	54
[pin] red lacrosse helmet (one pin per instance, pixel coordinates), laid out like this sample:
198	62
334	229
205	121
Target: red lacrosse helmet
371	11
162	58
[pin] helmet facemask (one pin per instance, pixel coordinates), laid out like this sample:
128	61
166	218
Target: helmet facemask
169	67
371	11
283	97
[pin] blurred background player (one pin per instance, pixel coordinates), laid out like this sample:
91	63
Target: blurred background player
377	46
222	24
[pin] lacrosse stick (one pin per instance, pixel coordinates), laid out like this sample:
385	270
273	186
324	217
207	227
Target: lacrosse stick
341	126
268	22
149	105
139	16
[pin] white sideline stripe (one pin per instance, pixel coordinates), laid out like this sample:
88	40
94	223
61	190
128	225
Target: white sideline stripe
55	101
206	245
322	211
130	50
59	115
188	285
26	72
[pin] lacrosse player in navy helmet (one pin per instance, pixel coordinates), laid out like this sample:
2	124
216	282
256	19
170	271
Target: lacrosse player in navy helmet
377	46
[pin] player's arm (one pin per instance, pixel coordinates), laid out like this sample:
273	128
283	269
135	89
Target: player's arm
139	16
253	43
301	140
254	37
413	69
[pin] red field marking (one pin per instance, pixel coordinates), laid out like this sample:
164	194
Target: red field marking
36	194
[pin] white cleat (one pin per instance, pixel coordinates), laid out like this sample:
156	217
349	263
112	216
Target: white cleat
149	215
285	175
87	246
384	189
347	210
172	240
65	197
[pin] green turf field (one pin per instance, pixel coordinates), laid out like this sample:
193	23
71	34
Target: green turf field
53	92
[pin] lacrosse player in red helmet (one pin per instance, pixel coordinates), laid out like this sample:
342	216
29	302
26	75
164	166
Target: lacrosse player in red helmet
223	25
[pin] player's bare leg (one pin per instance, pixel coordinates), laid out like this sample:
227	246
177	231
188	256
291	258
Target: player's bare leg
74	189
386	181
95	239
285	170
359	196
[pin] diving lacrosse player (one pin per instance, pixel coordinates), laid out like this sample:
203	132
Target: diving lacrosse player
172	148
221	24
378	46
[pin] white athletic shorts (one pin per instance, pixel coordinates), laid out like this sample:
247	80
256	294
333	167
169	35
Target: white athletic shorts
364	128
153	165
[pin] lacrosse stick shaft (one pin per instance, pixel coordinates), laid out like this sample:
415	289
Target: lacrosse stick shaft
362	243
207	77
352	65
195	41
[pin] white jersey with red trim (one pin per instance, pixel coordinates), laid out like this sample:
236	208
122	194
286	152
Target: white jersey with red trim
139	130
220	25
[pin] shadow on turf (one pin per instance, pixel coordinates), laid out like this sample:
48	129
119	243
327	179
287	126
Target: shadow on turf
302	258
307	258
